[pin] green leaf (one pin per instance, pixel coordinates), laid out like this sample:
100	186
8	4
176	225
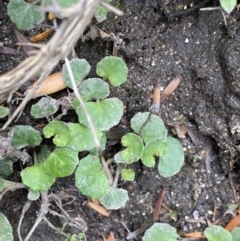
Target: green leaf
80	69
6	167
36	178
149	126
172	161
153	148
101	12
33	195
160	232
90	178
128	174
114	69
217	233
81	137
43	154
24	15
104	114
3	111
45	107
94	89
228	5
134	149
61	162
62	3
25	136
59	130
6	229
236	234
114	199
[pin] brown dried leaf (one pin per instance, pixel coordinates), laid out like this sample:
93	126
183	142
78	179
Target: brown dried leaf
7	50
233	223
158	205
28	49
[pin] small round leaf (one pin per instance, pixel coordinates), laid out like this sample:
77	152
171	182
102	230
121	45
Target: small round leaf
59	130
114	199
217	233
6	167
171	162
25	136
6	232
94	89
101	12
128	174
90	178
149	126
114	69
33	195
160	232
61	162
36	178
45	107
236	234
24	15
3	111
104	114
80	69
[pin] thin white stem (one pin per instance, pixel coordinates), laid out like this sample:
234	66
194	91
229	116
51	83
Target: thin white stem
92	127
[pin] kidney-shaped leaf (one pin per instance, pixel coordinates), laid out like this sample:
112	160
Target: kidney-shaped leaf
113	68
153	148
171	162
80	69
36	178
114	199
94	89
24	15
160	232
81	137
25	136
134	149
61	162
149	126
6	229
104	114
217	233
90	178
59	130
45	107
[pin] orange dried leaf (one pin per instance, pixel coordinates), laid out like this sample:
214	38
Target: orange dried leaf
233	223
111	237
194	235
155	106
171	87
99	209
41	36
52	84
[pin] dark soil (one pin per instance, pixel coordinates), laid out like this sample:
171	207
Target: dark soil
206	54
